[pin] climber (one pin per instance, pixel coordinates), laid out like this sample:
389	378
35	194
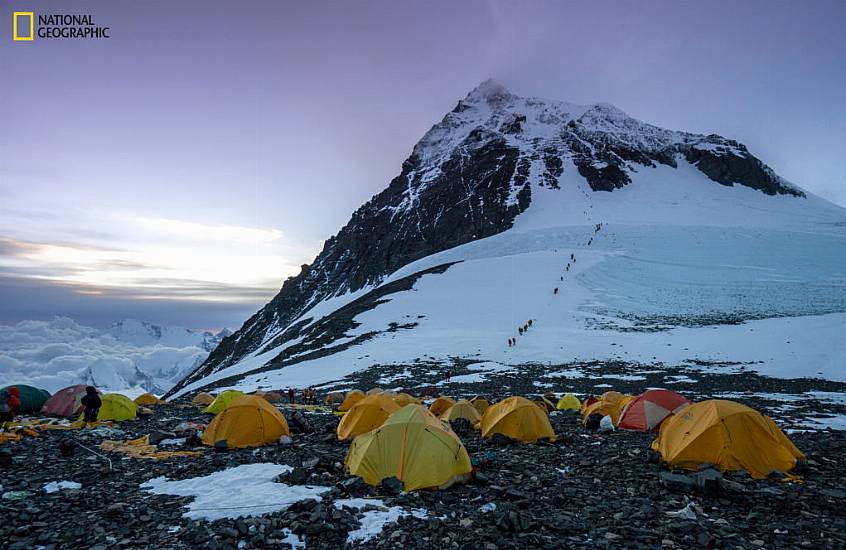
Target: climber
530	322
555	291
91	404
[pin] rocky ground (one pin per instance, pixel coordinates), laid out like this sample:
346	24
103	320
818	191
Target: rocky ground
586	490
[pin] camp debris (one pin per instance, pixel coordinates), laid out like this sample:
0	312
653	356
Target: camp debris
568	402
32	398
223	400
249	421
367	414
353	397
441	404
727	434
333	397
141	448
517	418
646	412
116	407
413	446
462	409
65	402
203	399
147	399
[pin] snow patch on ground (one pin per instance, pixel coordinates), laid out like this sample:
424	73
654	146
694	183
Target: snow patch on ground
374	521
55	486
246	490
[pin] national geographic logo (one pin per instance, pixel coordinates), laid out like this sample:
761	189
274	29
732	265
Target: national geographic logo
55	25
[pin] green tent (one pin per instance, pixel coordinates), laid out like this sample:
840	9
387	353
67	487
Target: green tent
32	399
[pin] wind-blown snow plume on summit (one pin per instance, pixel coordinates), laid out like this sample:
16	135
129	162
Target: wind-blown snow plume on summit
480	225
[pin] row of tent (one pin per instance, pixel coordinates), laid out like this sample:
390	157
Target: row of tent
394	435
67	402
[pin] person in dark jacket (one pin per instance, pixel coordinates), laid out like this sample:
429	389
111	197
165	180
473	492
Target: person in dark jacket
291	395
91	404
10	404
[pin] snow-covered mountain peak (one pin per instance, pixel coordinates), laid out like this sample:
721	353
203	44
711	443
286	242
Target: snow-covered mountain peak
524	172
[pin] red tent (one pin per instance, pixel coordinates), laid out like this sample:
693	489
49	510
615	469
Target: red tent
649	409
65	402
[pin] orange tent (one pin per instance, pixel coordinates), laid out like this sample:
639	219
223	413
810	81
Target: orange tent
368	414
440	405
517	418
728	435
249	421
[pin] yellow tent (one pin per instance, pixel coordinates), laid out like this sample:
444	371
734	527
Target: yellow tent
146	399
413	446
353	397
222	401
249	421
462	409
727	434
568	402
373	391
545	404
203	399
517	418
610	403
116	407
481	404
441	404
367	414
403	399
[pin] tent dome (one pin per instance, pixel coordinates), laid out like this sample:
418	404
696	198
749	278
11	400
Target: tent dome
353	397
32	398
203	399
223	400
441	404
413	446
481	404
367	414
649	409
517	418
727	434
568	402
462	409
403	399
146	399
65	402
116	407
249	421
610	403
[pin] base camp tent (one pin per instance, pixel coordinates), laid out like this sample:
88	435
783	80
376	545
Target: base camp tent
441	404
610	403
403	399
413	446
203	399
649	409
116	407
65	402
481	404
32	399
517	418
727	434
569	402
353	397
222	401
249	421
147	399
367	414
462	409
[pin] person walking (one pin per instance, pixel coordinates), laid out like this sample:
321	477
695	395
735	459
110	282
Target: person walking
10	404
91	404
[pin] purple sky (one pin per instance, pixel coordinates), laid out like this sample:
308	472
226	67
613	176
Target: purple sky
180	170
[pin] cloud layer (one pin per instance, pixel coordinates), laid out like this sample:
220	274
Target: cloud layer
130	354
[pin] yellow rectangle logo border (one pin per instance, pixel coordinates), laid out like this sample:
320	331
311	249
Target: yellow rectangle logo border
31	15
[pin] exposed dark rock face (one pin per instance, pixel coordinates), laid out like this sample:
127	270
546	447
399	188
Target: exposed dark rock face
468	178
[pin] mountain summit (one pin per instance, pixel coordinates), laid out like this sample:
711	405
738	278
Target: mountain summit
512	167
